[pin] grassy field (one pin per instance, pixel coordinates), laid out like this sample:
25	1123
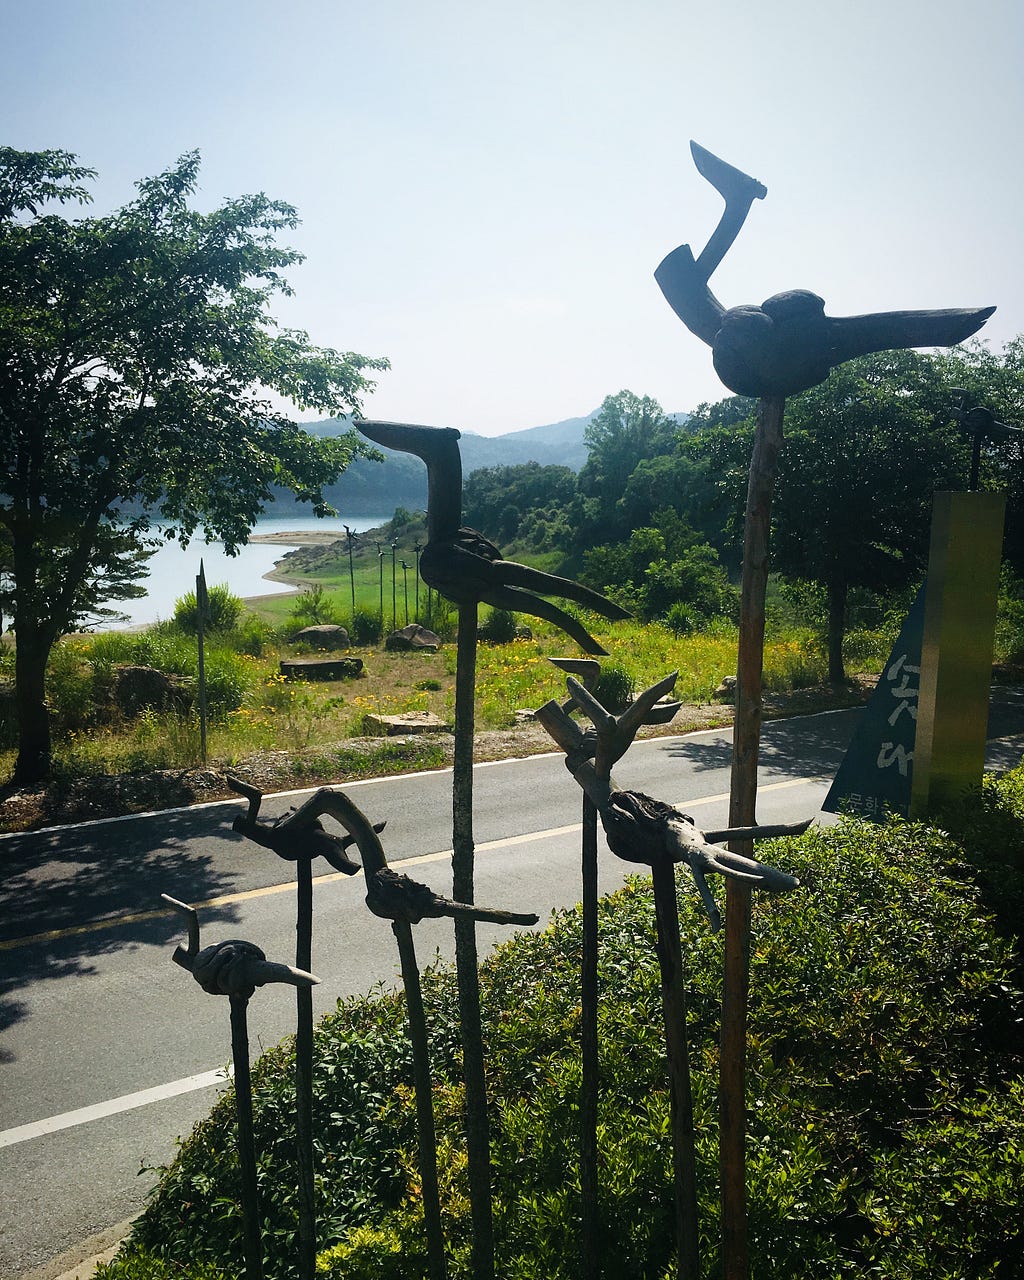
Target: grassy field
254	709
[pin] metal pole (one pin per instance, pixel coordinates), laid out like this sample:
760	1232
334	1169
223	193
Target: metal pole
351	569
417	548
253	1245
673	997
304	1071
424	1099
590	1218
477	1125
394	605
380	574
405	587
202	604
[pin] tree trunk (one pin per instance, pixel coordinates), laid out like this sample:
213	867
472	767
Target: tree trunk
836	629
34	747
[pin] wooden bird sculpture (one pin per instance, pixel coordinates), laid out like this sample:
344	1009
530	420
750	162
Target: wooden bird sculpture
465	566
788	343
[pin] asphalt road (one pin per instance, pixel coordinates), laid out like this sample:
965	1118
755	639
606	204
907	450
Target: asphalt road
108	1050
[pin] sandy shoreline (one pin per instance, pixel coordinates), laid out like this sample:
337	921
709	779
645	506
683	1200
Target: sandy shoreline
300	538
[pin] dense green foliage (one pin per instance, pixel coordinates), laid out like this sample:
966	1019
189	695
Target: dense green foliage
222	612
140	368
886	1130
655	516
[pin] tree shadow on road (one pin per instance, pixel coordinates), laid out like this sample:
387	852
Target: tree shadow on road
70	896
799	746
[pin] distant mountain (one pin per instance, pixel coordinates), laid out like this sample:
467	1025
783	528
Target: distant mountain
369	488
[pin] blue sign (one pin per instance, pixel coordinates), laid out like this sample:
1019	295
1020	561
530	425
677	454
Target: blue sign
874	777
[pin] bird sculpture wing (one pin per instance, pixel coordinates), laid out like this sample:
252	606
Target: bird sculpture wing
787	344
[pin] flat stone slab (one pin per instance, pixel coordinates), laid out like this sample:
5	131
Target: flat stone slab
320	668
411	722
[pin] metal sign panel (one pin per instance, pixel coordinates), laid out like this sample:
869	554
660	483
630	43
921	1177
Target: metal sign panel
875	775
956	656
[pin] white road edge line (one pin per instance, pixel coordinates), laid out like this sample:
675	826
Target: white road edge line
114	1106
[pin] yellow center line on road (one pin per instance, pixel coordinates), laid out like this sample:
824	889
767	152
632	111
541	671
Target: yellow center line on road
247	895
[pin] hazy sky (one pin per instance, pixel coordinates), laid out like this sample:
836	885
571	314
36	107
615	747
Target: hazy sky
486	188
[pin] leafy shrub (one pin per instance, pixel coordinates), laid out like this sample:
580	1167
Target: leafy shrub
313	607
251	636
989	823
1009	638
223	609
886	1132
367	627
683	619
499	628
614	688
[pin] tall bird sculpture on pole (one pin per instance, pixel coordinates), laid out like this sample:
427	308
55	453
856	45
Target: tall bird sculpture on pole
784	346
464	566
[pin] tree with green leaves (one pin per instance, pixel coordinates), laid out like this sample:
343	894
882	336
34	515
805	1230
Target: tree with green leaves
137	362
626	430
865	452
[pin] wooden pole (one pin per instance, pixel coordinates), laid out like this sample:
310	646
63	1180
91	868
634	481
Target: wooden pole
590	1222
673	1002
351	570
478	1142
424	1099
304	1072
742	805
252	1239
202	604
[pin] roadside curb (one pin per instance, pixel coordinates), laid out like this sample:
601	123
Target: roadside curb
81	1260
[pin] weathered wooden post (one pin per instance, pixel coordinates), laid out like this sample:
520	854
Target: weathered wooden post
780	348
349	533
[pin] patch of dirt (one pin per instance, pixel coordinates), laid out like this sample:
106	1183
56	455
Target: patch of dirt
112	795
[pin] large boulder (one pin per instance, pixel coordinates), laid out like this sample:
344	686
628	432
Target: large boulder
325	635
413	637
139	688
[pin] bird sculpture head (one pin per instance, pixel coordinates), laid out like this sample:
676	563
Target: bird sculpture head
788	343
462	564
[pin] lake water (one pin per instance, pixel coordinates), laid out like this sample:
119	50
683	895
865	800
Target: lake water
172	571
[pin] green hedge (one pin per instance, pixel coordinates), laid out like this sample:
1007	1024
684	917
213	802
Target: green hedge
886	1129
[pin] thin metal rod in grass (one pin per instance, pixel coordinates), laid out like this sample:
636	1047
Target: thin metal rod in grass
643	830
299	837
235	968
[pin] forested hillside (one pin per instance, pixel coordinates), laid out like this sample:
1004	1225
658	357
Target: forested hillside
369	488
